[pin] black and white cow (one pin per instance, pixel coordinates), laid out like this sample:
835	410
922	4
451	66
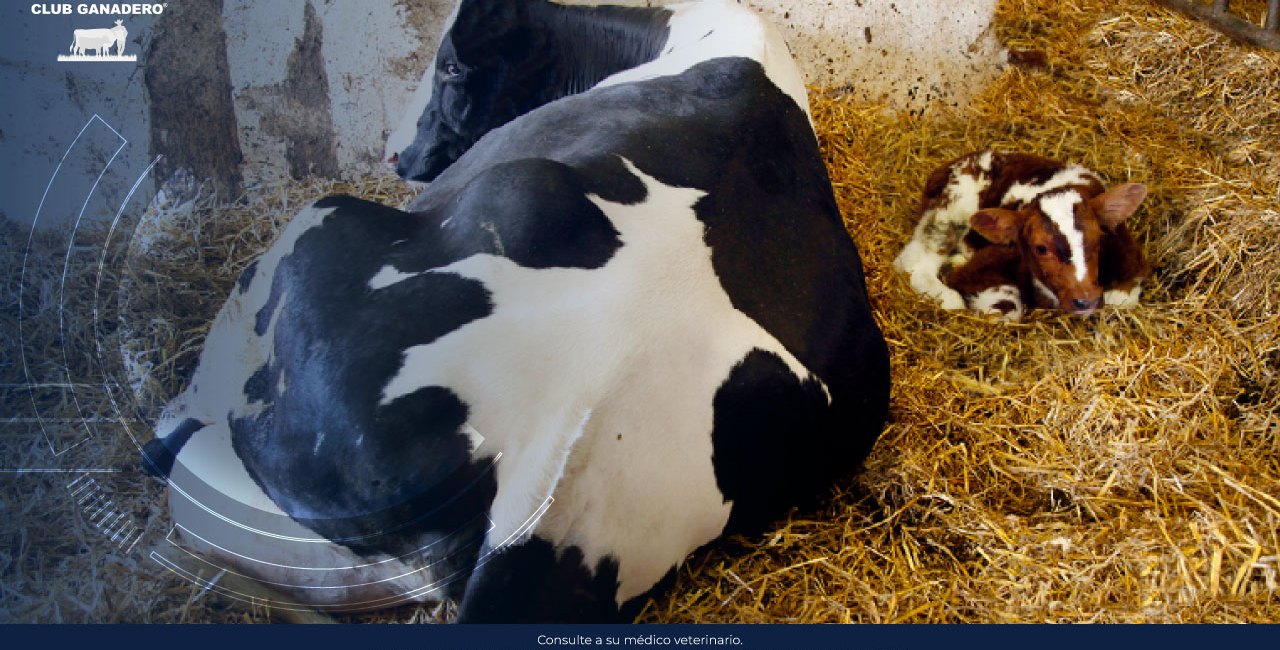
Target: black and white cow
616	327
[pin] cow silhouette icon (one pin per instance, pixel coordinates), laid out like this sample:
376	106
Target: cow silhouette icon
96	44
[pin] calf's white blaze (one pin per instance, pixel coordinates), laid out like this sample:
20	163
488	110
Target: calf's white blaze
1061	210
597	387
1063	216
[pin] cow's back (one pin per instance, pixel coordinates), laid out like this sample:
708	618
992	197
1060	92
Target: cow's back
780	257
778	242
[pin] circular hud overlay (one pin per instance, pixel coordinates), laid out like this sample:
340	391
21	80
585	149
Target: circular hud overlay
110	286
99	334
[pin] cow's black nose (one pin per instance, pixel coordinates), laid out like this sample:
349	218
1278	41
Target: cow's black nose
1086	305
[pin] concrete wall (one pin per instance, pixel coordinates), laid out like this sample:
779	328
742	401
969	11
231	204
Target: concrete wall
905	54
317	91
315	86
244	93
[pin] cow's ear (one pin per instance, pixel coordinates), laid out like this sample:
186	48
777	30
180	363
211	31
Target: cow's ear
998	225
1118	203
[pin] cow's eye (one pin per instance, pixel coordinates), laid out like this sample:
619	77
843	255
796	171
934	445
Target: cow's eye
1041	249
452	70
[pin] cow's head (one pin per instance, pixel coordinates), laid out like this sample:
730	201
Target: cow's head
491	68
500	59
1059	235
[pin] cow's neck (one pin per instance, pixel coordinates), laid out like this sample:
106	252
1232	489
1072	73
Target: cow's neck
593	43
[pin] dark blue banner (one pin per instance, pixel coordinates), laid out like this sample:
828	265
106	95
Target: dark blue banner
742	637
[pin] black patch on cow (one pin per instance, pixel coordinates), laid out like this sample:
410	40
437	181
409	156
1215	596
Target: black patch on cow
536	582
768	424
246	276
262	319
535	212
258	387
159	454
372	477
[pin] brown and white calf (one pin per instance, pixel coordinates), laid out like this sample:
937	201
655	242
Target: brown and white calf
1003	233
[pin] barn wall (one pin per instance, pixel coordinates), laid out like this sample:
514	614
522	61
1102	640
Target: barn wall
316	86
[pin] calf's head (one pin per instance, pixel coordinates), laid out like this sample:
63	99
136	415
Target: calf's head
1059	235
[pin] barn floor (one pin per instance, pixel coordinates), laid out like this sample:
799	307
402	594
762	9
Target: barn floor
1122	468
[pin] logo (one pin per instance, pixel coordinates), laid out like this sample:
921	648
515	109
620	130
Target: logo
97	44
64	9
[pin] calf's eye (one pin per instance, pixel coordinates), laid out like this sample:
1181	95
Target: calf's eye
1041	249
452	70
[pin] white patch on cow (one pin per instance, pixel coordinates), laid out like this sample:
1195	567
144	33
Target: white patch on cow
387	276
923	267
939	236
1061	210
986	302
1024	193
984	161
1045	292
490	228
1122	298
589	381
473	437
701	31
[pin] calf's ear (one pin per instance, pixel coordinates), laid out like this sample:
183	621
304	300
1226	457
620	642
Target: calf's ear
998	225
1118	203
